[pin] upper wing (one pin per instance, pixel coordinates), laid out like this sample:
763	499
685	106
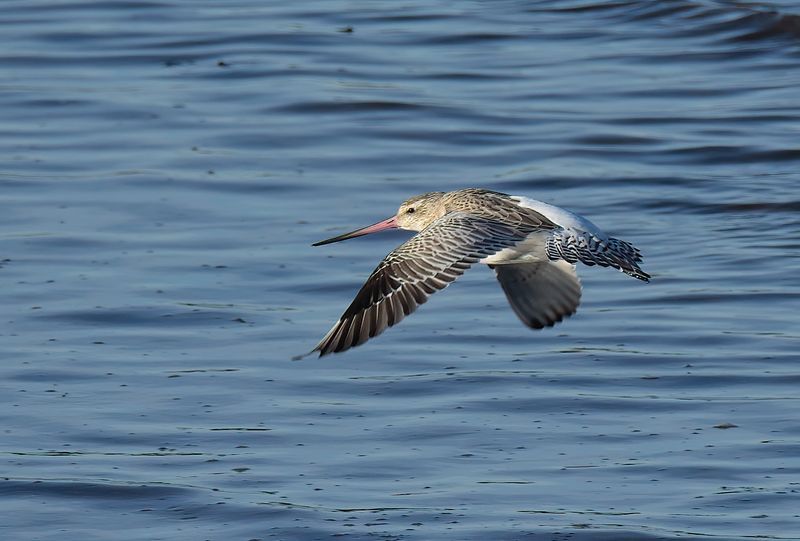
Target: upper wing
573	245
415	270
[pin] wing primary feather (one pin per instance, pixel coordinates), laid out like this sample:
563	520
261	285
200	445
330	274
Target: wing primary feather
418	268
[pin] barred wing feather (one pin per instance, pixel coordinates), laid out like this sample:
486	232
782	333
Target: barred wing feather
423	265
573	246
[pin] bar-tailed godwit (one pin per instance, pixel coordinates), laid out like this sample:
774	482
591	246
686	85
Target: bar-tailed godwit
532	247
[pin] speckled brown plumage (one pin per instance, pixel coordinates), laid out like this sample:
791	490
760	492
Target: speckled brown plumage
418	268
532	246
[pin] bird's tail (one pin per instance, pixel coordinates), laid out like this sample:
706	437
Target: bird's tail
626	257
591	250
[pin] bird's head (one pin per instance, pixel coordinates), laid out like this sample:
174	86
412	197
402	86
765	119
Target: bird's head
419	211
414	214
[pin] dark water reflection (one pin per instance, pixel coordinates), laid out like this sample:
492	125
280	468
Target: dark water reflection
167	164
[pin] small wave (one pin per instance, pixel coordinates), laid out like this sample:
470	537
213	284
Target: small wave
739	207
103	491
730	21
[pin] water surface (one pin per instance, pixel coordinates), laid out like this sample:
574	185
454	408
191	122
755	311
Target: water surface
167	164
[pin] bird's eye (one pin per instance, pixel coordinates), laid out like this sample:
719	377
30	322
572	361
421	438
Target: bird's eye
410	210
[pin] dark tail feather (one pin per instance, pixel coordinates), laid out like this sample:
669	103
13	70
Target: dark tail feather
624	256
614	253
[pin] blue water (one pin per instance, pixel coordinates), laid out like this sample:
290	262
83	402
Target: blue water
166	166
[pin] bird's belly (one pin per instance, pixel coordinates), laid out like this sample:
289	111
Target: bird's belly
527	251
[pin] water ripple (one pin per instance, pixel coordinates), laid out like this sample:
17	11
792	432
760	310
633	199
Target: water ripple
167	166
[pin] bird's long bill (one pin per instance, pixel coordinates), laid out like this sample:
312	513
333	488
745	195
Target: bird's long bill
389	223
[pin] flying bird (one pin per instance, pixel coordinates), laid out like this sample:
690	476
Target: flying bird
532	247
